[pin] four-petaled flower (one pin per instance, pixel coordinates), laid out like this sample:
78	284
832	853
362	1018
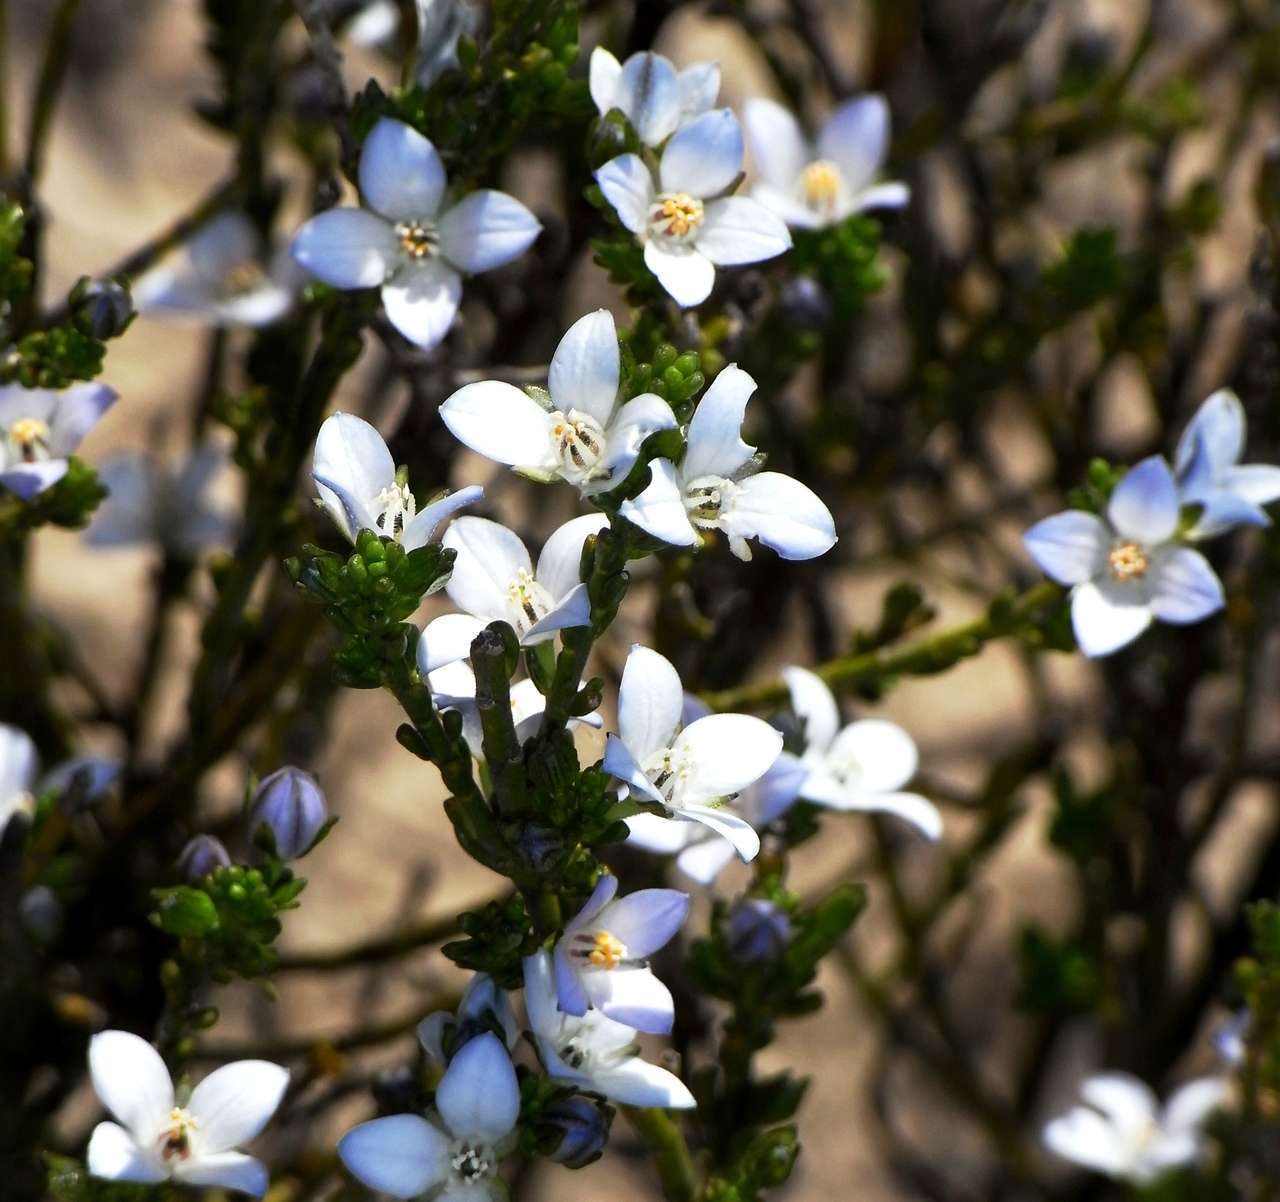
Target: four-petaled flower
483	1004
478	1102
585	437
689	770
592	1051
403	242
19	764
194	1143
40	427
810	185
1210	474
648	90
1128	568
600	960
719	486
358	485
1123	1132
687	226
862	766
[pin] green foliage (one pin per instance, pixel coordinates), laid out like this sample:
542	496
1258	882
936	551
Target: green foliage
903	608
69	503
766	1164
15	268
676	377
843	259
1059	976
496	941
69	1181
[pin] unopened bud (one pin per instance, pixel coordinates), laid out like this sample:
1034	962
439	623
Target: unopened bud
200	857
104	306
290	804
41	913
574	1131
758	930
805	303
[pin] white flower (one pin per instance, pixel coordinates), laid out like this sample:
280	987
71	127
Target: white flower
1127	569
700	852
810	186
1210	474
440	24
587	439
686	233
40	427
690	770
1232	1038
404	243
861	767
494	580
157	1139
222	278
19	765
482	1004
150	503
651	93
600	960
718	486
375	24
1123	1132
478	1100
593	1052
356	478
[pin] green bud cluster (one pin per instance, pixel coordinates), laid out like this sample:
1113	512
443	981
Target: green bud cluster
843	259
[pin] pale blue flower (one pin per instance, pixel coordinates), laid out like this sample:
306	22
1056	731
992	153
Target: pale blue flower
40	428
651	93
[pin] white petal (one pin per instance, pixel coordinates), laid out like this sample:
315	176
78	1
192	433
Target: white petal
605	72
815	704
659	510
1190	1105
224	242
885	755
628	186
259	307
699	87
856	138
636	1082
114	1154
791	210
646	920
726	752
401	175
620	763
485	230
400	1155
1106	618
662	836
489	556
423	526
1184	587
1144	505
233	1103
422	301
131	1081
348	248
704	860
892	195
649	93
633	996
633	423
352	457
230	1170
779	151
1127	1102
684	271
585	367
19	761
1086	1138
501	422
919	811
1257	483
540	992
704	157
562	552
715	446
1070	546
573	609
1218	427
738	831
737	230
782	513
479	1097
650	698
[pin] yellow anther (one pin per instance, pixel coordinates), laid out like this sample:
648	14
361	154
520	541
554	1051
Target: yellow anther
416	240
608	951
241	278
28	431
677	214
1128	561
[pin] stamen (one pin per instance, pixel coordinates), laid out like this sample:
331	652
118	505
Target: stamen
418	239
1128	561
579	443
820	181
609	951
470	1162
175	1143
241	278
705	499
29	435
675	215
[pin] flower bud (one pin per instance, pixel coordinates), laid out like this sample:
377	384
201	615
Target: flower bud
200	857
289	803
41	913
574	1131
805	302
105	307
758	930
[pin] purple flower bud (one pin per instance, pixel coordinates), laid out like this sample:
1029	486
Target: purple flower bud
200	857
758	930
574	1131
105	306
290	803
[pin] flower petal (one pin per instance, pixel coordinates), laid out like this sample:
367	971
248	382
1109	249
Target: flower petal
422	301
1127	1102
699	86
351	466
650	698
347	248
662	836
230	1170
571	996
815	705
684	271
646	920
1084	1137
485	230
478	1097
1257	483
628	186
1189	1106
1184	587
782	513
884	755
779	150
489	556
114	1154
919	811
605	73
620	763
401	175
573	609
775	792
234	1103
447	639
78	410
26	480
1106	616
636	1082
1070	547
704	157
223	242
715	446
501	422
1218	427
892	195
401	1155
649	94
738	230
725	753
562	553
131	1081
856	138
420	530
659	510
633	996
704	860
633	423
585	367
787	207
1144	505
19	761
738	831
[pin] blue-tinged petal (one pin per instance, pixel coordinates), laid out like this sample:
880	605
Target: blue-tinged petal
421	302
26	480
604	75
622	765
648	92
699	87
1184	588
633	996
891	195
425	522
479	1097
401	1155
222	243
485	230
778	147
228	1170
570	995
628	186
856	138
704	157
1219	426
1257	483
737	230
646	920
1107	616
1071	547
347	248
401	175
1144	505
703	860
78	410
1224	510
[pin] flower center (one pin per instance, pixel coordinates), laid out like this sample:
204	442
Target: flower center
600	949
1128	561
579	443
666	775
175	1140
29	436
241	278
705	499
470	1162
418	239
529	601
675	215
820	182
394	508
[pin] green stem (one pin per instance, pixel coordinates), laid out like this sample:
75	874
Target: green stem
53	71
920	658
494	655
670	1152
